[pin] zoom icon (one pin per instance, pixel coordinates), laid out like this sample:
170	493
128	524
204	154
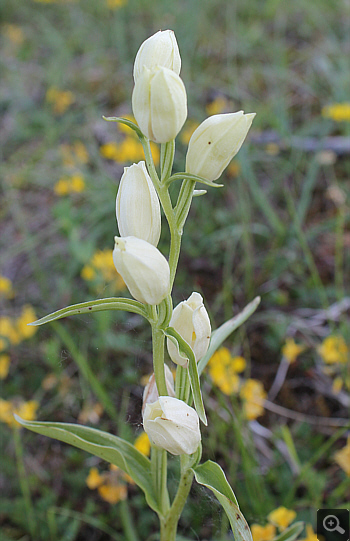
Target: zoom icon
332	524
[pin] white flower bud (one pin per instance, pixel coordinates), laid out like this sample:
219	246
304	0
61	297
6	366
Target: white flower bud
161	49
172	425
190	319
159	103
215	142
137	205
143	268
150	393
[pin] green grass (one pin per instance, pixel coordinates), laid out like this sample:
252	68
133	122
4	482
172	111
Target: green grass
273	231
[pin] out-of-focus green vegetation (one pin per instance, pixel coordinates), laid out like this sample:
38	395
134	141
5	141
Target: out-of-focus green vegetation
279	229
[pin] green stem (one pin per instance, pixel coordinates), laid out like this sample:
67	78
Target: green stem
160	475
158	360
23	481
168	526
127	522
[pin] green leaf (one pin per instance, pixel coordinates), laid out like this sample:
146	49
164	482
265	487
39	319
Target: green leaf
212	476
290	533
111	448
113	303
125	121
185	351
219	335
195	178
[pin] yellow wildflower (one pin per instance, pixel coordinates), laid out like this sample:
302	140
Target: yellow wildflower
76	153
272	149
223	370
310	534
342	457
88	273
77	183
62	187
25	410
217	106
109	150
253	394
334	350
8	330
281	517
6	289
80	152
337	385
263	533
291	350
338	112
14	33
115	4
143	444
187	131
59	99
110	485
4	365
27	316
233	169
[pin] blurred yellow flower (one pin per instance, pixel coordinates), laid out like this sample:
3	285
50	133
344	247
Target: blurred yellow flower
291	350
339	112
233	169
334	350
25	410
110	485
217	106
187	131
4	365
6	289
59	99
223	370
115	4
253	394
75	153
27	316
342	457
263	533
101	266
14	33
337	385
129	150
73	184
8	330
143	444
310	534
281	517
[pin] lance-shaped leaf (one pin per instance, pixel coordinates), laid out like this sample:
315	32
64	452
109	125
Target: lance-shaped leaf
212	476
219	335
112	303
186	352
195	178
111	448
290	533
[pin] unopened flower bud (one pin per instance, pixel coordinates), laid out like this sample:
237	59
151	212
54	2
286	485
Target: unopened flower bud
143	268
172	425
137	205
150	393
159	103
190	319
161	49
215	142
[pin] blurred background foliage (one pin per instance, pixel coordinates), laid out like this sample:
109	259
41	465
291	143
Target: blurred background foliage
279	229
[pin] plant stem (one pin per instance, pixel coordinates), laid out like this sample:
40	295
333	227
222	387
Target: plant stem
127	522
168	526
160	476
158	360
23	481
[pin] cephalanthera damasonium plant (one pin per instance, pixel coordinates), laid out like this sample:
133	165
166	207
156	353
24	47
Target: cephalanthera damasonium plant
171	415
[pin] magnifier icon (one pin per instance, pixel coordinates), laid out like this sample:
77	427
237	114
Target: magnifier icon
331	524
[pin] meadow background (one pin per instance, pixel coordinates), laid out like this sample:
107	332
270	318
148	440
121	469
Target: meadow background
279	228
